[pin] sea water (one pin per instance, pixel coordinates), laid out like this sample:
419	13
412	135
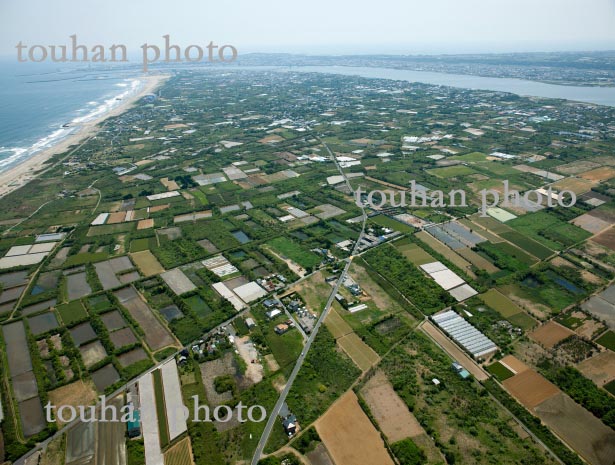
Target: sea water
42	103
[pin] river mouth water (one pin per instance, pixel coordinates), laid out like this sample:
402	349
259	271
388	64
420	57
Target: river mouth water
594	95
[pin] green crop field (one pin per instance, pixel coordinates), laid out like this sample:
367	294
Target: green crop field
294	252
508	309
72	312
500	371
391	223
161	410
607	340
529	245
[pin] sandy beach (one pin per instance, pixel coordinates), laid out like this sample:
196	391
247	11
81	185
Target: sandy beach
21	174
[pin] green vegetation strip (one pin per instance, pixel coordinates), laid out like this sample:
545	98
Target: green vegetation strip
161	410
500	371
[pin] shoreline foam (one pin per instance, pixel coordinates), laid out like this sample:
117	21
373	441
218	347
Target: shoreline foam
28	169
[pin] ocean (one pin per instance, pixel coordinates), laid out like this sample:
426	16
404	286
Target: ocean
38	99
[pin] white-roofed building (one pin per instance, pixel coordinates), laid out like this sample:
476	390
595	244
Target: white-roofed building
464	334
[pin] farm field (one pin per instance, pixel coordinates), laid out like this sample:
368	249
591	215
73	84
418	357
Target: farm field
314	290
577	185
72	312
600	368
341	425
156	335
337	325
550	334
606	238
444	250
607	340
361	354
392	415
75	394
294	252
451	171
414	253
579	428
179	454
391	223
147	263
77	286
507	308
500	371
530	388
529	245
478	261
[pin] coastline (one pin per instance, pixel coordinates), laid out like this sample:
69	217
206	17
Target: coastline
19	175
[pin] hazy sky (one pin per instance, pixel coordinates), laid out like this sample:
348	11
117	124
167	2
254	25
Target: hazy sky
317	26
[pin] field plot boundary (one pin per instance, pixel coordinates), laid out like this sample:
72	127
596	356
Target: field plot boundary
389	410
339	429
361	354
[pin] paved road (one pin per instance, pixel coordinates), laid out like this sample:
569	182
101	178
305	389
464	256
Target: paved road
273	415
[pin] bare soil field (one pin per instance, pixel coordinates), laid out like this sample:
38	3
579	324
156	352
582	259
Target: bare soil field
579	428
157	336
391	413
117	217
514	364
453	351
210	371
577	167
254	371
123	337
577	185
272	363
111	439
349	435
105	377
133	356
606	238
589	328
24	386
320	456
145	224
42	323
530	388
599	174
75	394
32	416
361	354
82	333
17	351
600	368
550	334
77	286
113	320
92	353
590	223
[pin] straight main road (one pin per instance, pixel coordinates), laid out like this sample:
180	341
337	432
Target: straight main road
273	415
